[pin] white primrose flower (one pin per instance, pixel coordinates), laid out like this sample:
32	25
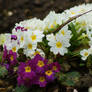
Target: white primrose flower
64	32
61	18
29	46
84	7
59	45
13	45
50	20
84	53
82	22
50	37
7	39
53	19
85	21
72	12
2	39
34	36
33	53
21	38
77	10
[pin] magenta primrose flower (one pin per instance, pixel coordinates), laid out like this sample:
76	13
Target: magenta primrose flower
5	52
26	74
36	71
40	64
13	37
50	75
55	66
41	81
12	57
9	56
9	59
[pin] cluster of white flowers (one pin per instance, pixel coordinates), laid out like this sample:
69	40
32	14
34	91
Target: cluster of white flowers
28	33
25	36
78	10
2	39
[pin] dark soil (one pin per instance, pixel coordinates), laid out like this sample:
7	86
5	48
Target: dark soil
13	11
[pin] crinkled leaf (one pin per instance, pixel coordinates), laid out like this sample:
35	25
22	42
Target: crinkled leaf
20	51
70	79
21	89
3	71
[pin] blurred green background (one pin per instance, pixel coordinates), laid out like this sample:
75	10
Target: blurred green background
13	11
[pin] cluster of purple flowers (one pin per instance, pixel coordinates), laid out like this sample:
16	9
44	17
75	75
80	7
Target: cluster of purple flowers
9	59
37	71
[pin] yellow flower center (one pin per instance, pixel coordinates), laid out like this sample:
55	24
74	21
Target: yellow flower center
22	39
54	68
58	44
42	79
52	26
36	52
40	63
12	58
29	46
3	40
46	28
72	12
27	27
33	37
62	32
83	23
27	69
14	49
49	72
86	54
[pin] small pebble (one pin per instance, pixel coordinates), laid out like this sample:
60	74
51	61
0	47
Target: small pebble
10	13
75	90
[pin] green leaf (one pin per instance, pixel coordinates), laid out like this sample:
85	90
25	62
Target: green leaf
3	71
69	83
0	58
21	89
69	79
82	64
73	75
77	26
20	51
74	42
89	61
74	32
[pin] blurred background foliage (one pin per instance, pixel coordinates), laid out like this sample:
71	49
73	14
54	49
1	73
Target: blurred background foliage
13	11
